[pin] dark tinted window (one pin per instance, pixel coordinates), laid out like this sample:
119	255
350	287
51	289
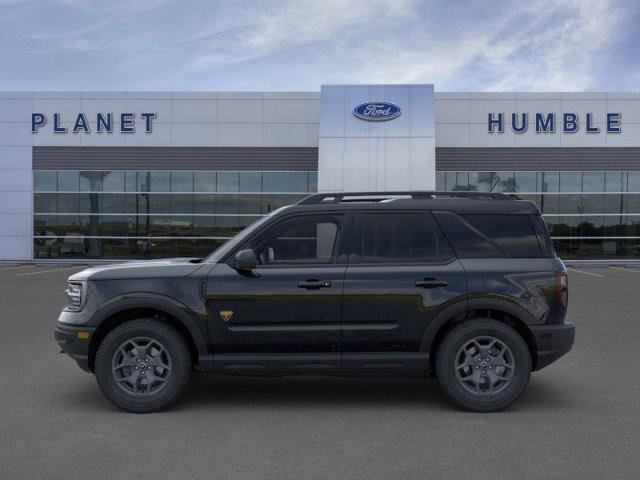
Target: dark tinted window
544	239
399	237
304	239
467	242
514	234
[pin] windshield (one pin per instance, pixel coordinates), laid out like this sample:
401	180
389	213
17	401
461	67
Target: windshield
227	246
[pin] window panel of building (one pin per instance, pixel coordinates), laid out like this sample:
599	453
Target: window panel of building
284	182
457	181
158	181
45	181
633	182
613	181
250	204
592	203
134	181
45	202
204	181
226	226
614	203
204	204
111	203
250	182
228	181
504	182
69	202
182	181
593	182
113	181
631	203
549	182
312	181
525	181
570	181
68	181
577	206
91	181
95	214
181	203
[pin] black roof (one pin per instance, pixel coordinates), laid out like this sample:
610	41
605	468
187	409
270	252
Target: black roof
457	202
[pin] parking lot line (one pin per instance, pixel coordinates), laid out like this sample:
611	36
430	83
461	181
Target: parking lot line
19	266
632	270
586	273
79	267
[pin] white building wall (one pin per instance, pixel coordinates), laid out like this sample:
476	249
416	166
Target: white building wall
357	155
461	118
183	119
16	221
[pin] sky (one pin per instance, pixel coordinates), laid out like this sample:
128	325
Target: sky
284	45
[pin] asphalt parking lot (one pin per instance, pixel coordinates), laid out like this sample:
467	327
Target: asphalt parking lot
579	418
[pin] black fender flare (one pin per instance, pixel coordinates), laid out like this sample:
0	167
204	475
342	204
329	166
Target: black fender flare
159	302
455	309
465	306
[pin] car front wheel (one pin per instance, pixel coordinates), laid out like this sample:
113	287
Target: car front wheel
143	365
483	365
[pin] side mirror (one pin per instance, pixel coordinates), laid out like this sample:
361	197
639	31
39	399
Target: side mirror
245	260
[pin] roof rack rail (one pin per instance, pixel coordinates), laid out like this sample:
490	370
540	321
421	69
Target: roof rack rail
321	198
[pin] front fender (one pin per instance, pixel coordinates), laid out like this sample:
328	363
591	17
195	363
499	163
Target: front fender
195	323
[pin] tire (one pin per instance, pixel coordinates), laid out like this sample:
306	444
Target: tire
474	383
143	365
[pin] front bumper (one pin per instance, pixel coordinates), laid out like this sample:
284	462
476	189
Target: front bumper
552	342
75	341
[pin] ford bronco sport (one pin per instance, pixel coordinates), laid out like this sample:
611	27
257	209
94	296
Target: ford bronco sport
463	286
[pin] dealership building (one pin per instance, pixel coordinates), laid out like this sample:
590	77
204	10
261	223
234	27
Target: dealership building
122	175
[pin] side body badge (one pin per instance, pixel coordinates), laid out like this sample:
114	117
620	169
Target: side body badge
226	315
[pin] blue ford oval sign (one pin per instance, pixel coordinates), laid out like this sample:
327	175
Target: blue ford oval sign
377	111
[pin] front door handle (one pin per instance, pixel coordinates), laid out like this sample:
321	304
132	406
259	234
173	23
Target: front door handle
431	283
313	284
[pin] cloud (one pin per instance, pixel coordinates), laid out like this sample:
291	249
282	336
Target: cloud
299	44
256	33
542	46
561	49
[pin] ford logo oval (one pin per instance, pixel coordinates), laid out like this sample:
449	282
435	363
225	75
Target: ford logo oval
377	111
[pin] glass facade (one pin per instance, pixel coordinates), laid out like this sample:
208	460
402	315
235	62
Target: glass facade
591	215
153	214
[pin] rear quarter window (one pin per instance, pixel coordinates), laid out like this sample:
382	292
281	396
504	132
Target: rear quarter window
514	234
490	235
544	239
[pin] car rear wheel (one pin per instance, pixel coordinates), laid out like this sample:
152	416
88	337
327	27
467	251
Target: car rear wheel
483	365
143	365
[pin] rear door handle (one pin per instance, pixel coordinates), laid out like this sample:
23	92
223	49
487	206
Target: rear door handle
431	283
313	284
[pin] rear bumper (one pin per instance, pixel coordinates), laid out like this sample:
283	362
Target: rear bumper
77	347
552	342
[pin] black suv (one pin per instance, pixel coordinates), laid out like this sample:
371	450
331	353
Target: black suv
465	286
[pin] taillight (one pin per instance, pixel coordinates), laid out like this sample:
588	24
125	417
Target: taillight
562	289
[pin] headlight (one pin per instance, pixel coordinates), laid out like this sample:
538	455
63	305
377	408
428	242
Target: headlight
75	296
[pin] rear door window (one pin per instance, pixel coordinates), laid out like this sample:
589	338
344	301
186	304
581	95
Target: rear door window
398	238
467	241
